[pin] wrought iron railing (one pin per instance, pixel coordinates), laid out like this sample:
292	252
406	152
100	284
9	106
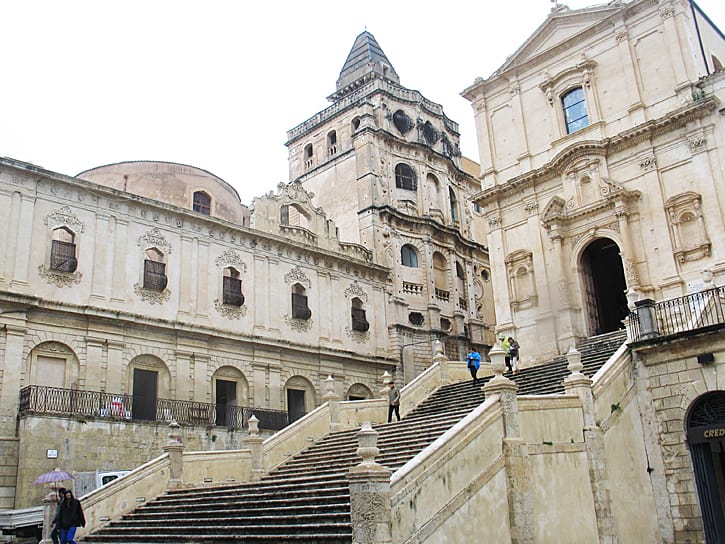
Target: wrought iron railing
689	313
38	399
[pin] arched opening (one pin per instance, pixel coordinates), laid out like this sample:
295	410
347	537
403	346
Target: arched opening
706	440
359	391
300	396
605	303
202	203
440	276
230	395
150	381
409	256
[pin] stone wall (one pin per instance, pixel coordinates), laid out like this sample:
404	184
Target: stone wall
8	471
674	381
88	445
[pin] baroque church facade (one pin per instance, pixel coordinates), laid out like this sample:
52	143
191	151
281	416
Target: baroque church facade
599	201
139	292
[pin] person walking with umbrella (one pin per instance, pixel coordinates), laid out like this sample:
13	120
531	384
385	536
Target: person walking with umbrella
69	517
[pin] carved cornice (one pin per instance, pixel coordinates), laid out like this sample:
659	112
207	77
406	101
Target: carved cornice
628	138
228	311
299	325
64	217
61	279
296	275
153	297
154	238
356	291
231	258
358	337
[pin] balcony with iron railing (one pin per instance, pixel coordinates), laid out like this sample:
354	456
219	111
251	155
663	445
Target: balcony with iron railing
691	313
43	400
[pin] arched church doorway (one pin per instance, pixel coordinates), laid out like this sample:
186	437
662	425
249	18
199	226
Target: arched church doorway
605	302
706	439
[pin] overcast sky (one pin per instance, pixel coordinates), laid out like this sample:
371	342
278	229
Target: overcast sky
216	84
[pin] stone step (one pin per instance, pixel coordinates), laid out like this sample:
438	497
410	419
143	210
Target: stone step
307	499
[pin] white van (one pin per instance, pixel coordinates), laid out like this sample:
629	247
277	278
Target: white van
86	482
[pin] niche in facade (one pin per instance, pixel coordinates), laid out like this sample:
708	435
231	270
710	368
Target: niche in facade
687	227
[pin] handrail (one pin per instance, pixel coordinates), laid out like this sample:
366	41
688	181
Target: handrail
689	313
39	399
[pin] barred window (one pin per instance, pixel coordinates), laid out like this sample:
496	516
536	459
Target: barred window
405	177
232	288
63	251
202	203
300	310
154	271
359	321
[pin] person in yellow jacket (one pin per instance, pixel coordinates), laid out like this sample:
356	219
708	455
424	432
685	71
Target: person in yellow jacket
504	343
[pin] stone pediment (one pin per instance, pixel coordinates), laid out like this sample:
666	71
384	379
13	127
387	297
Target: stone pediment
561	25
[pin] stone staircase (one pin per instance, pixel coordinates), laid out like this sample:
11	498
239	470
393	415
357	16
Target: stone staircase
307	499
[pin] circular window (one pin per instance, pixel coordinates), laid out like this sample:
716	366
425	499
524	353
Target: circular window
445	324
416	318
402	122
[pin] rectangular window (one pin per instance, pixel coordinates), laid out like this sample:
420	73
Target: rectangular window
63	256
154	275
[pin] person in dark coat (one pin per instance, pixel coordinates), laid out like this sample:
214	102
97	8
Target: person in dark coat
69	517
393	402
55	533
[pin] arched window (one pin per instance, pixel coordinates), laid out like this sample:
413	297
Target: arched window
331	143
359	322
154	270
440	271
355	124
232	287
63	251
405	177
300	310
454	204
409	256
202	202
575	110
309	156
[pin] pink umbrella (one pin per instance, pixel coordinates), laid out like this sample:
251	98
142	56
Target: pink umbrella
53	477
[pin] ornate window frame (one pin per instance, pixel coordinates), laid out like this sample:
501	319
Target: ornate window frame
683	208
521	279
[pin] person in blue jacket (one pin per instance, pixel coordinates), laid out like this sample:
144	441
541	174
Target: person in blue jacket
474	363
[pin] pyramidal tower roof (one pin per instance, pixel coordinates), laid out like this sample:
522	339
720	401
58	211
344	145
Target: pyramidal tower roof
365	61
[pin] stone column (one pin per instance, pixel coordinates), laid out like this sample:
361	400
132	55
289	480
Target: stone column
515	452
370	508
50	505
175	448
255	448
578	384
333	400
